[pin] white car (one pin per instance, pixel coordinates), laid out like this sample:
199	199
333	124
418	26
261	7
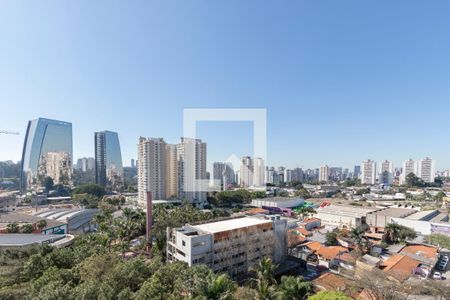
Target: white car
445	258
437	275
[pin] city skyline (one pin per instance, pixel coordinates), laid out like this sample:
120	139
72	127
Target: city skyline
319	91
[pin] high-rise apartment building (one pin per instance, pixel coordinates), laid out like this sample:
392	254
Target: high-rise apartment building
409	167
386	172
152	172
246	172
108	160
85	164
324	173
368	172
171	177
192	183
223	173
426	169
356	171
45	136
259	173
297	175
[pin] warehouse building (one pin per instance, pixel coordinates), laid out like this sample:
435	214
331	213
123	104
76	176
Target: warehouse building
233	246
379	219
344	216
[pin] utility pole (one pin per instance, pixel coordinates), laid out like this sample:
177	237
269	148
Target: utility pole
148	234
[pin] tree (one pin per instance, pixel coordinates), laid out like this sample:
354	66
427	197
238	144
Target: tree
303	193
217	287
294	288
27	228
264	279
331	237
358	235
48	183
329	295
306	211
439	240
41	224
91	189
12	228
395	233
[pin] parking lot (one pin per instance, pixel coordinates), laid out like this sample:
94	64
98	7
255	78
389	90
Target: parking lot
443	266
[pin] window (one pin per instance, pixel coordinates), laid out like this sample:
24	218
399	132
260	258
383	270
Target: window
183	243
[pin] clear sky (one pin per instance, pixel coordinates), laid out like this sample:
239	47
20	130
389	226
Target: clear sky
342	81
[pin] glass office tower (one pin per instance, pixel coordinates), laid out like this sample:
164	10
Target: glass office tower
47	152
108	160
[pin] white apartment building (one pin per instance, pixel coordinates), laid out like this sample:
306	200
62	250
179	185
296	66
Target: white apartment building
426	169
259	173
368	172
233	246
324	173
151	168
246	172
409	166
192	183
386	172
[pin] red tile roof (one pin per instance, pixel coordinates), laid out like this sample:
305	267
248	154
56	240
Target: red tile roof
330	252
399	266
330	282
429	252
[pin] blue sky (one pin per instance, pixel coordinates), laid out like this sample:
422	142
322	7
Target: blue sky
342	81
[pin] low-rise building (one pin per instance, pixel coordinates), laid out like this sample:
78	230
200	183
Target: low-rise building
377	220
311	223
344	216
8	201
233	246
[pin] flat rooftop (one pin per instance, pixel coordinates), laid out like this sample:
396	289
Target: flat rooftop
344	210
24	239
230	224
395	212
421	215
20	219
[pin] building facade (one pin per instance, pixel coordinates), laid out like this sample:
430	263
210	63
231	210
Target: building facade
232	246
426	169
45	136
386	172
368	172
409	167
108	160
324	173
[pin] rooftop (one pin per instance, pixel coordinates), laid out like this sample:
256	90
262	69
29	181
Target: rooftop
19	218
396	212
330	252
351	211
230	224
400	266
25	239
424	251
421	215
330	282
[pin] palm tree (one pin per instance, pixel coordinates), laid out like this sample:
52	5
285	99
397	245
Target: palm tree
306	211
12	228
27	228
218	287
392	233
41	224
264	270
295	288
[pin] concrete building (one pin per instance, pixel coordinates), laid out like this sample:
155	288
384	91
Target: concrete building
8	201
409	166
258	173
379	219
357	171
279	202
324	173
233	246
386	175
192	180
171	168
368	172
151	168
426	169
246	172
344	216
85	164
58	166
426	222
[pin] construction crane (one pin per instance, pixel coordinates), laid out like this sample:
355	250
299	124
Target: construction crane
8	132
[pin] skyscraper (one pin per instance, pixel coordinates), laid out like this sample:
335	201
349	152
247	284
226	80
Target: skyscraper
85	164
324	173
108	160
152	171
246	172
47	151
356	171
192	183
386	173
426	169
171	177
259	180
223	173
409	167
368	172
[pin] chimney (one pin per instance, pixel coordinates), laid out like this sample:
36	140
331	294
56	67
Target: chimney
149	223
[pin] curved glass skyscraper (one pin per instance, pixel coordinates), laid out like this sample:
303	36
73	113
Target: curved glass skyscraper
108	160
47	152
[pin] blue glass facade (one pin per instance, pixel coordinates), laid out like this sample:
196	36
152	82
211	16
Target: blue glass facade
47	151
108	160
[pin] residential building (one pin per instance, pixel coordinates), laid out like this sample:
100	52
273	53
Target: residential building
368	172
44	136
85	164
192	182
297	175
152	172
409	166
108	160
246	172
386	175
171	171
426	169
258	173
232	246
357	171
324	173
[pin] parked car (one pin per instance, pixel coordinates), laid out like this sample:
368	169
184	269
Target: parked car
437	276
